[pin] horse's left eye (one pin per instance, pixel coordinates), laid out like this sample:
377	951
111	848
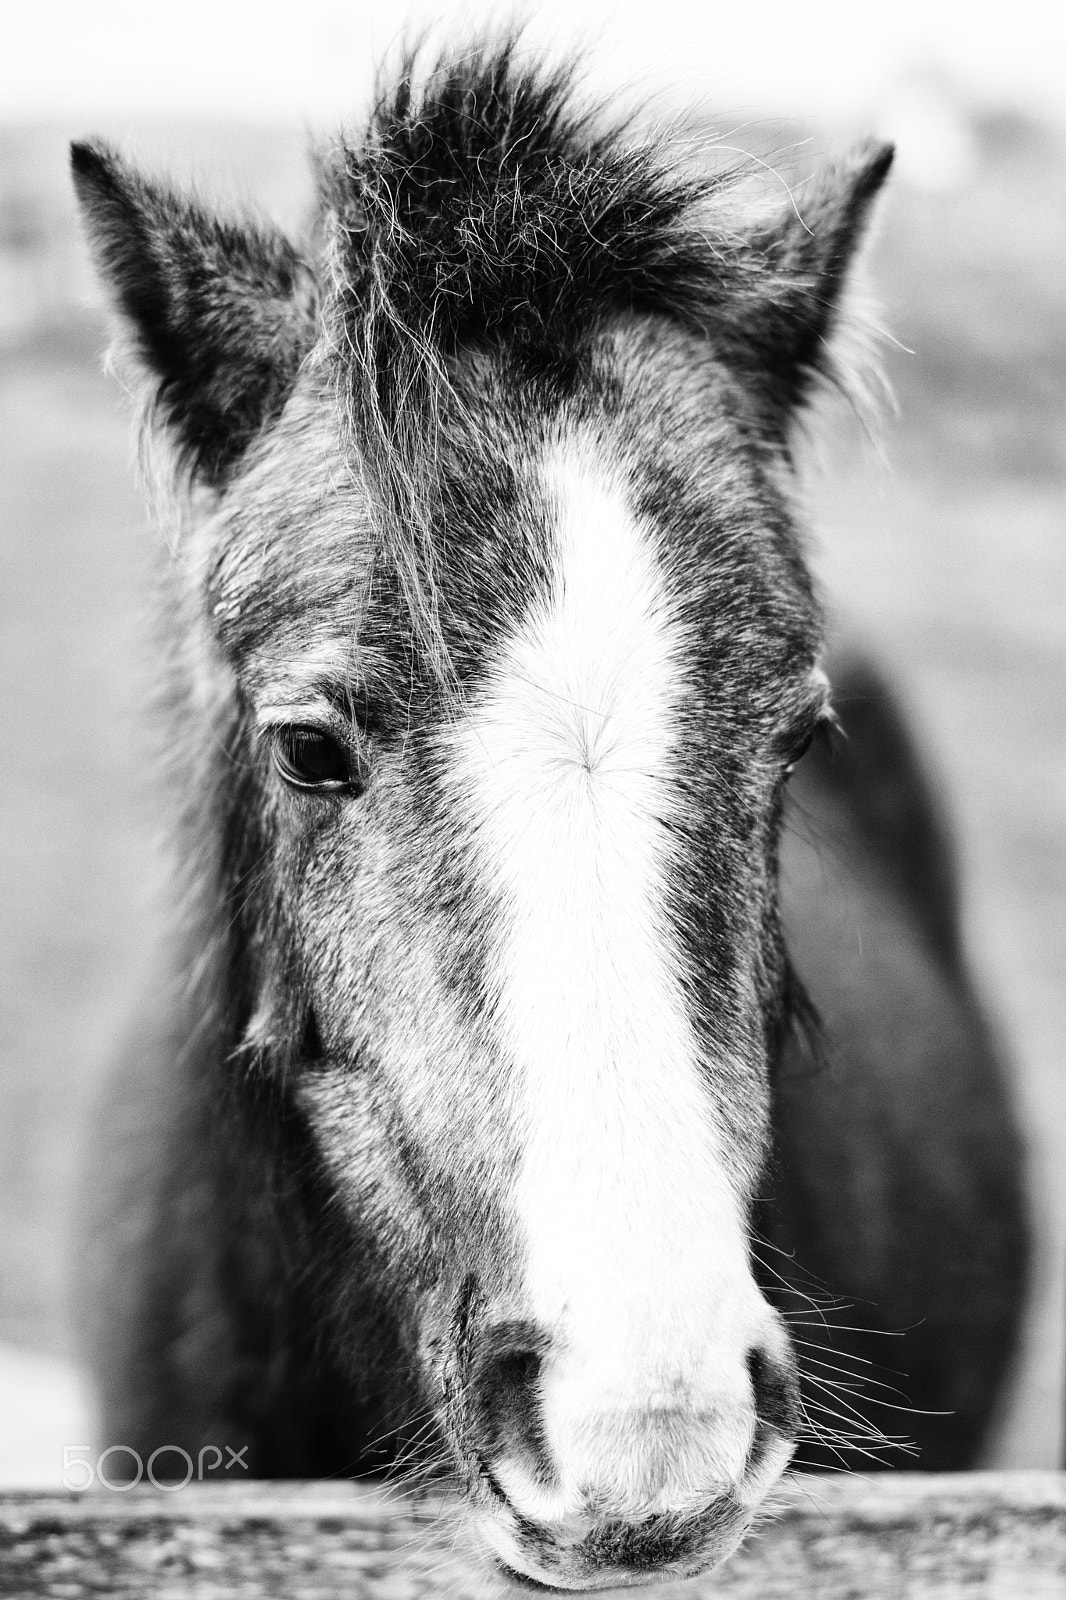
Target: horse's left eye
820	728
799	750
308	758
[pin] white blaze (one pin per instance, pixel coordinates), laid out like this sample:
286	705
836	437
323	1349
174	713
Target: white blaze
636	1256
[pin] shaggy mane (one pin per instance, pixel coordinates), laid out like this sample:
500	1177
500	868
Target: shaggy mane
482	204
483	198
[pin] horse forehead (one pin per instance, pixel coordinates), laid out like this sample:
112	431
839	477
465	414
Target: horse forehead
578	700
301	571
654	429
605	586
610	505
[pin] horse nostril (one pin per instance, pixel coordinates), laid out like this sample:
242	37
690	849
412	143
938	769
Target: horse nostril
519	1370
774	1391
506	1390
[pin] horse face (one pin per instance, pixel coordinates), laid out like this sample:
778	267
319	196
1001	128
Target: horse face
510	684
538	934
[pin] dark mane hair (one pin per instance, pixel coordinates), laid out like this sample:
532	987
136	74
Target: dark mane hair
485	198
485	204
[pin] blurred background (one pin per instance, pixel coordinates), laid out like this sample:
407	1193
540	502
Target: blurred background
947	553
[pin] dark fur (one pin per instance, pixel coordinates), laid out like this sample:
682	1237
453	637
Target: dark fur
222	312
488	260
911	1119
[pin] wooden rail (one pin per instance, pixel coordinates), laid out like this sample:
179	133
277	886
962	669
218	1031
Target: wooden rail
982	1536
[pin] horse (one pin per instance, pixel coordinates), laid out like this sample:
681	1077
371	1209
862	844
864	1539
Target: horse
524	1100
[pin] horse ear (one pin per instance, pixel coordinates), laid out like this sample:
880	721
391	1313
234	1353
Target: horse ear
221	313
799	266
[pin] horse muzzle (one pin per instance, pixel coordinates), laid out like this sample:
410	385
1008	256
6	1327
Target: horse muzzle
579	1487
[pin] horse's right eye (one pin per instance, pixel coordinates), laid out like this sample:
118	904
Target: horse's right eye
309	758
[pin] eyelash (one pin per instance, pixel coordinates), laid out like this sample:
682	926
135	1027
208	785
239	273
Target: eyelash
822	728
315	760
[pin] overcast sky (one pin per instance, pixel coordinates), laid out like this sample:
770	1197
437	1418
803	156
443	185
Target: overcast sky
309	60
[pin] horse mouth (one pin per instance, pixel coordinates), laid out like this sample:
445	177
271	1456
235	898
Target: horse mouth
611	1555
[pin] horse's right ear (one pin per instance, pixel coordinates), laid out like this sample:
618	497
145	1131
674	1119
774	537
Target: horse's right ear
221	313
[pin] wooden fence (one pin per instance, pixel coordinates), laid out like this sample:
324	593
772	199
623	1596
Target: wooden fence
983	1536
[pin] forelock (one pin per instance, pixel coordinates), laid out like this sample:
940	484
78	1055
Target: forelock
484	205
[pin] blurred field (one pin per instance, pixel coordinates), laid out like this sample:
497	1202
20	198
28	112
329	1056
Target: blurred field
952	563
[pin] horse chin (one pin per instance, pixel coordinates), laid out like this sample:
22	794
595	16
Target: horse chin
614	1555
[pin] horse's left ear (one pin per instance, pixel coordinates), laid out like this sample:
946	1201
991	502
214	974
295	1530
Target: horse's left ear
221	312
798	267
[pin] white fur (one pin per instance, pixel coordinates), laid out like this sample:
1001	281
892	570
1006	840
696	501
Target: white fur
636	1253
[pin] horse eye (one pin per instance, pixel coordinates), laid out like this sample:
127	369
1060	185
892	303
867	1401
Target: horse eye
799	750
820	728
307	758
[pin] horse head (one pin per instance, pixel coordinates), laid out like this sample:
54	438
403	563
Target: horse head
498	590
